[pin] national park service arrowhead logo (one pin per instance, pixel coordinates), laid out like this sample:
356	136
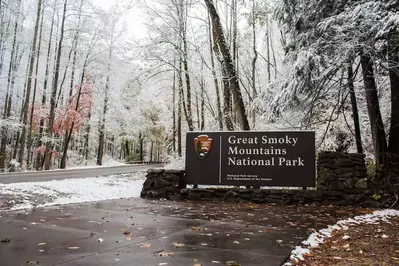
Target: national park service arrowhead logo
202	145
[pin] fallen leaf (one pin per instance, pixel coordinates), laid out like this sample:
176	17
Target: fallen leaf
337	258
145	245
384	236
178	245
216	262
236	242
166	254
30	262
73	248
198	229
163	263
41	250
41	244
129	238
117	253
247	239
346	246
127	232
346	237
5	240
100	240
204	244
232	263
197	264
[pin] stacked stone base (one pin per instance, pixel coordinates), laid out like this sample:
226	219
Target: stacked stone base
161	183
278	196
341	171
341	180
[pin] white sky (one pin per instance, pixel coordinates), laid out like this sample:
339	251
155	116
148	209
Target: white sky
135	24
105	4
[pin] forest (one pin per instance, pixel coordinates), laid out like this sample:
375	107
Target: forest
80	82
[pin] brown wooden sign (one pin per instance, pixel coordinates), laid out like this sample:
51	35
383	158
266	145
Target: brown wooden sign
245	158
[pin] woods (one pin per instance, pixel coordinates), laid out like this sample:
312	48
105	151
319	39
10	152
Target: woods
81	83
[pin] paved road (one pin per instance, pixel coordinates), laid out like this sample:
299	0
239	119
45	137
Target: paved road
137	232
72	173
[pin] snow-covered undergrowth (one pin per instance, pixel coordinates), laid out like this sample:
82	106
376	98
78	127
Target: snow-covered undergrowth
40	194
317	238
77	161
175	162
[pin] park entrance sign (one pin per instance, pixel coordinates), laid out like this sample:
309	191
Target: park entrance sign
251	158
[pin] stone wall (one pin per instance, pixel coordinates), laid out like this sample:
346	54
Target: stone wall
161	183
341	180
341	171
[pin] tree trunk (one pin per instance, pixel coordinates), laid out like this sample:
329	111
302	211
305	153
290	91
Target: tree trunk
3	39
8	99
228	66
17	139
174	107
181	91
105	108
39	157
355	111
47	155
393	57
29	84
215	79
182	16
254	93
87	134
68	133
202	107
373	107
34	94
179	111
141	150
101	138
151	150
268	53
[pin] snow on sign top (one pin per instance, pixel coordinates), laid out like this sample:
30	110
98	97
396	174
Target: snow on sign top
243	158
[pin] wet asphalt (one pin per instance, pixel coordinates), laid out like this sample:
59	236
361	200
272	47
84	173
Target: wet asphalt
142	232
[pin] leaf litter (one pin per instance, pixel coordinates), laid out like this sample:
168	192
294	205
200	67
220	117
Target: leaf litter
352	240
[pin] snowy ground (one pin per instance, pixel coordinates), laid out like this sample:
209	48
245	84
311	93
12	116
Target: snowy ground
39	194
317	238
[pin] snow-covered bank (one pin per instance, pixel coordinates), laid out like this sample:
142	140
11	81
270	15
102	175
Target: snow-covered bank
317	238
39	194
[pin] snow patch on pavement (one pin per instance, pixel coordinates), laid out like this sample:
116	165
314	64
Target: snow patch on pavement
40	194
316	238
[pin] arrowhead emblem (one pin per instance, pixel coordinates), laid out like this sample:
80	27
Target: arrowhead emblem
202	145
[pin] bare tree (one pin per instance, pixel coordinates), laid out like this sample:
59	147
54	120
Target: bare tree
47	155
29	83
227	66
